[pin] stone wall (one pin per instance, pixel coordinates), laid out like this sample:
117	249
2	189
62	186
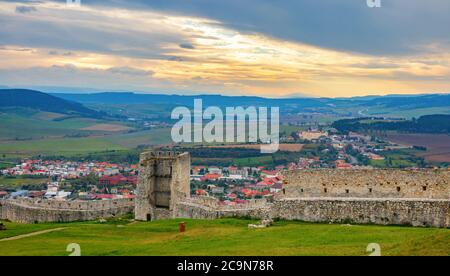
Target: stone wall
369	196
164	180
367	183
198	211
415	212
365	196
40	211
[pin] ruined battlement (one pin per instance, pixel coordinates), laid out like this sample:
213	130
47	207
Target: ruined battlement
154	155
41	211
407	197
365	196
413	212
164	180
367	183
214	203
76	205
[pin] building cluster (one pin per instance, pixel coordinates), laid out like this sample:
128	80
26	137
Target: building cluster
234	185
362	145
67	169
114	180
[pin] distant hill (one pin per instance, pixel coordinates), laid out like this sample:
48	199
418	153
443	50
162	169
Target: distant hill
423	101
43	102
407	101
426	124
188	100
403	106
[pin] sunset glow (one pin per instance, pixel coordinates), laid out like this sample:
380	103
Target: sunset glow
147	50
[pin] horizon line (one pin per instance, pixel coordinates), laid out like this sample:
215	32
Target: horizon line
181	94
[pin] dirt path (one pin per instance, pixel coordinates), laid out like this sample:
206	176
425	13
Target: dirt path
32	234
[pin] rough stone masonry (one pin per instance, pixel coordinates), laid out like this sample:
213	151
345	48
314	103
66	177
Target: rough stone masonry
41	211
164	181
368	196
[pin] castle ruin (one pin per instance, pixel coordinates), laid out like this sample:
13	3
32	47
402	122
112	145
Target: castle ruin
367	183
164	181
367	196
417	197
28	210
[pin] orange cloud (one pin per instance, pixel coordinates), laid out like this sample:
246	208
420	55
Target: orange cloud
202	55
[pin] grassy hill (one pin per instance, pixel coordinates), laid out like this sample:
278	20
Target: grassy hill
27	115
439	123
37	123
34	123
222	237
27	131
405	106
26	124
81	146
43	102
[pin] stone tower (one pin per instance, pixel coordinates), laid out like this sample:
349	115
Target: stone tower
164	180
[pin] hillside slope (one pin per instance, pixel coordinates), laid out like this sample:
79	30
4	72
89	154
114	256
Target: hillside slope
404	106
438	123
222	237
43	102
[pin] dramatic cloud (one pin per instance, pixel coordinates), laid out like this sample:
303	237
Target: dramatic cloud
187	46
398	27
272	49
25	9
130	71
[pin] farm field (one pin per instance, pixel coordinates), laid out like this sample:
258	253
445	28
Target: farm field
438	145
5	165
57	146
107	127
160	136
16	182
28	124
407	113
70	146
399	158
283	147
221	237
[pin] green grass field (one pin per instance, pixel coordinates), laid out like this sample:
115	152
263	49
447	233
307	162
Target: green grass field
253	161
27	132
157	136
18	181
58	146
408	113
5	165
28	124
223	237
83	145
402	158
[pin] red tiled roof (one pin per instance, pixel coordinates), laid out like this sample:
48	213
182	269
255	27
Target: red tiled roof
210	176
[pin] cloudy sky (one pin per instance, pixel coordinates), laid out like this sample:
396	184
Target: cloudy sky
328	48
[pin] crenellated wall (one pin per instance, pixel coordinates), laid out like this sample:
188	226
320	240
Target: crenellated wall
413	212
369	196
164	180
367	183
366	196
40	211
199	211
